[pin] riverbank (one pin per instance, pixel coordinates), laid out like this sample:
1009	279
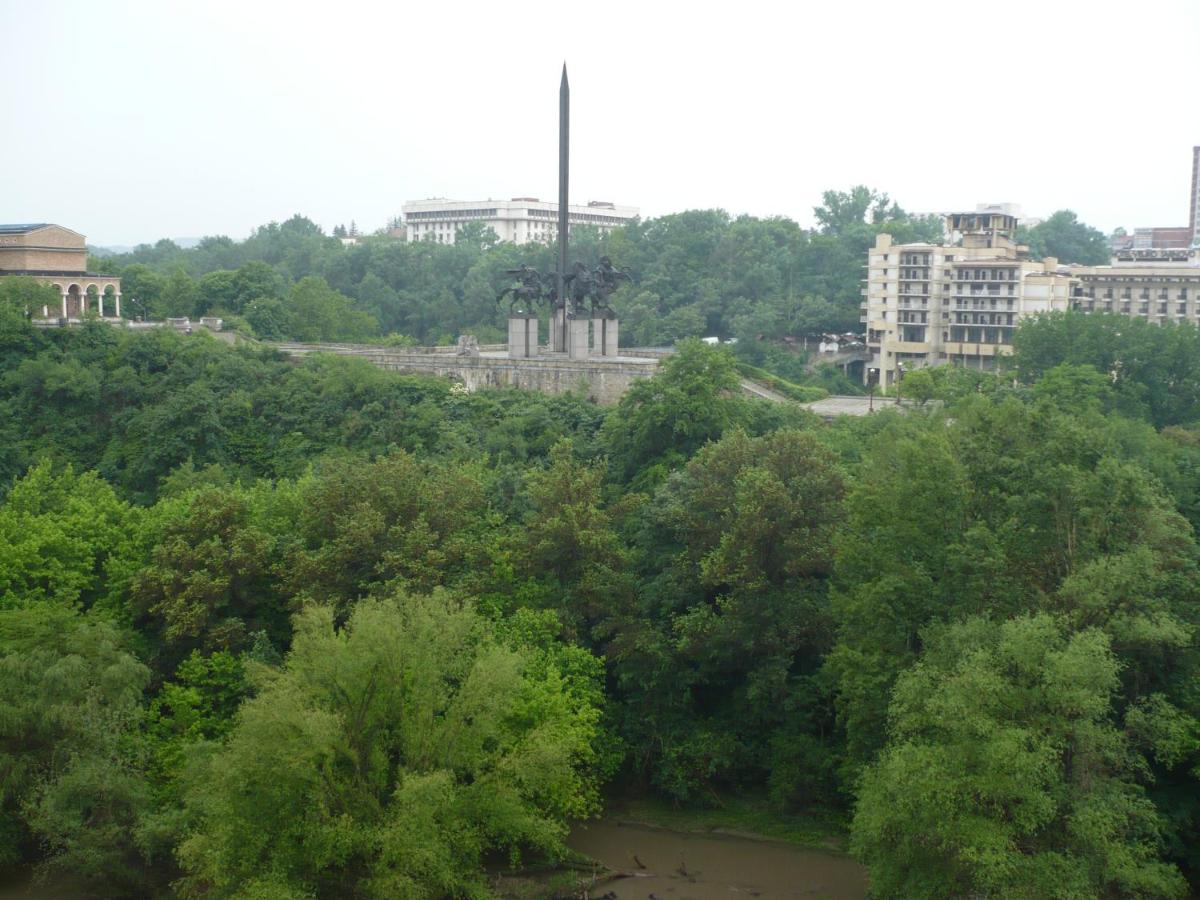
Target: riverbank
645	847
742	816
636	862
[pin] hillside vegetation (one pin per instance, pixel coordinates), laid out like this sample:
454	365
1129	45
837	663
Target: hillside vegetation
277	629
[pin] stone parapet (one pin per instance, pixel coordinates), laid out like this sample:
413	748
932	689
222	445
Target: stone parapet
604	380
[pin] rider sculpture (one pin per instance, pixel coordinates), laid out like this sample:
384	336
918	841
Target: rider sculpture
587	290
526	293
605	282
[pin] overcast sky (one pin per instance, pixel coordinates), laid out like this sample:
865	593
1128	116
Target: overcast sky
131	121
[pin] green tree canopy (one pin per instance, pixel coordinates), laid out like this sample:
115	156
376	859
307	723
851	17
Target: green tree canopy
386	758
664	419
207	580
61	534
71	764
1006	776
316	312
1067	239
1154	371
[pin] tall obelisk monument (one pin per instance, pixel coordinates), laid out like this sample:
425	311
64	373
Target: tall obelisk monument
564	166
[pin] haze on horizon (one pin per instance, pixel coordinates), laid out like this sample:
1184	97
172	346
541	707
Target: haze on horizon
130	121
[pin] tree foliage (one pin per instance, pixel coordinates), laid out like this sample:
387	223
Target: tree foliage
236	655
1154	372
71	772
387	757
1006	775
665	419
694	273
1067	239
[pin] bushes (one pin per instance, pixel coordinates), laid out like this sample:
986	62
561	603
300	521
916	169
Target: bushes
801	393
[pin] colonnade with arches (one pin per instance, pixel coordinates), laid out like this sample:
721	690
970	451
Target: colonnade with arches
80	297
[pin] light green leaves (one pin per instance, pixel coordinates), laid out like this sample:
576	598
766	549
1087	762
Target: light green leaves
1005	775
387	756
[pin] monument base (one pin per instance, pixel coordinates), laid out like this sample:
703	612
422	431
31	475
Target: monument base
558	330
578	338
604	337
522	336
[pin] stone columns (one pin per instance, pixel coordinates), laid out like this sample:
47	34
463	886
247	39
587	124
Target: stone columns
522	336
100	304
604	336
64	315
577	338
557	319
516	337
117	298
531	334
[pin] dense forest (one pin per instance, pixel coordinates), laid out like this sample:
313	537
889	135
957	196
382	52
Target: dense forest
694	273
273	629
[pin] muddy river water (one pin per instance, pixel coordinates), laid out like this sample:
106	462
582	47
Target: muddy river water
672	865
662	865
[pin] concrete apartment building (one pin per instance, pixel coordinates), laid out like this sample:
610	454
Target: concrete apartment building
519	220
1159	291
58	256
934	304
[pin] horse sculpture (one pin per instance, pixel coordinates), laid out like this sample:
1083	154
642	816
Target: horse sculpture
605	281
529	290
587	291
580	288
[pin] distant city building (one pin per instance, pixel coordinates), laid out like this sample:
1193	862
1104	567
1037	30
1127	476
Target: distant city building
1012	210
56	255
1195	217
519	220
1009	209
1152	243
959	303
1171	244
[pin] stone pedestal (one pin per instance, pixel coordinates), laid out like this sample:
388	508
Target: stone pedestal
531	334
604	337
577	338
522	336
557	330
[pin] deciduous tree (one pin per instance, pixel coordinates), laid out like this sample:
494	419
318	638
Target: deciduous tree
1006	776
388	757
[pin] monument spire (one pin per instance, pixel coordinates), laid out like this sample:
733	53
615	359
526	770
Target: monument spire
564	163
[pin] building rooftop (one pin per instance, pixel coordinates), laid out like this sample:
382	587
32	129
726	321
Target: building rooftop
588	206
55	273
22	229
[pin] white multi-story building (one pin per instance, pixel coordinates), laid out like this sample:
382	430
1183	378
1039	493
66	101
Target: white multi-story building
933	304
519	220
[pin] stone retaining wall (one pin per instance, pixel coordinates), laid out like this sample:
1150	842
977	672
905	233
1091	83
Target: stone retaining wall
604	380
